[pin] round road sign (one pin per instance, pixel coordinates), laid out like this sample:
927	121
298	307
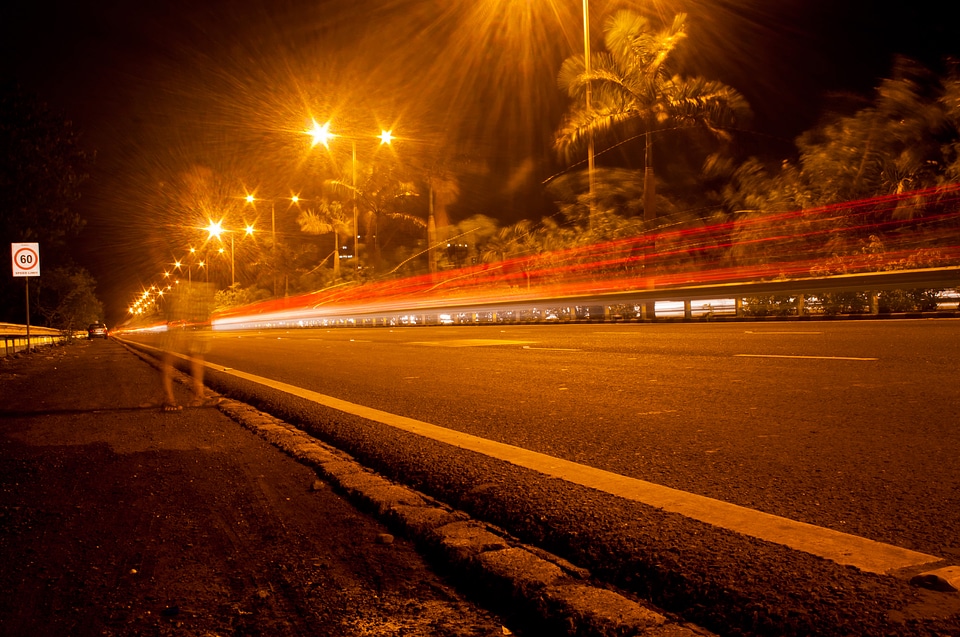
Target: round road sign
26	259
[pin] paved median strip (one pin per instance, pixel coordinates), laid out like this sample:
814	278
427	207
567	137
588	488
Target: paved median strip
843	548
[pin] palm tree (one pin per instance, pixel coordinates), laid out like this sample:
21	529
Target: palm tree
444	189
442	183
382	191
634	88
330	217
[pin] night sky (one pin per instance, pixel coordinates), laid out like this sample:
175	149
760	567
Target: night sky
158	87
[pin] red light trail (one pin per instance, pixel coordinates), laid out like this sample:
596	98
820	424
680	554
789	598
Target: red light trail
896	232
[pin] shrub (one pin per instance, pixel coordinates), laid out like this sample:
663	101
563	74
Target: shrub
833	303
773	305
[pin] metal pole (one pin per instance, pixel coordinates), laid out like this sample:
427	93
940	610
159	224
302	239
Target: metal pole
233	278
356	226
27	279
431	236
273	231
587	69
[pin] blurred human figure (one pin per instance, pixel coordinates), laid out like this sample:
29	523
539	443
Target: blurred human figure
187	312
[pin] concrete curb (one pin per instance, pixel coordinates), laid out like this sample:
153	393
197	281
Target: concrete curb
547	589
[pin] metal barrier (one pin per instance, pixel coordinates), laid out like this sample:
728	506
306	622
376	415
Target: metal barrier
18	343
540	306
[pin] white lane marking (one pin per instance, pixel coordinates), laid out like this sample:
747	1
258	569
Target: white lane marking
772	332
867	555
825	358
468	342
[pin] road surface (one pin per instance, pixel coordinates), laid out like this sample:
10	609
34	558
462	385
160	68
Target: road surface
847	426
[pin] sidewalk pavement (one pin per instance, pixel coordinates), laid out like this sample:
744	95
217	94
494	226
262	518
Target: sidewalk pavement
121	519
117	519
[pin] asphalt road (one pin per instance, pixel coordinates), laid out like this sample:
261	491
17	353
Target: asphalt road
847	425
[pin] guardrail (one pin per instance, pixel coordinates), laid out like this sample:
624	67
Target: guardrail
14	338
18	343
307	312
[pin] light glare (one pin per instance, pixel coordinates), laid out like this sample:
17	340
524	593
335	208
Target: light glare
214	229
321	134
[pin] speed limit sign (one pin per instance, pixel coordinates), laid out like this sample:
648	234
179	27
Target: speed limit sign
26	259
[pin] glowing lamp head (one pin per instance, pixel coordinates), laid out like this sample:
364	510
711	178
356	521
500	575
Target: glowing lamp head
214	229
320	134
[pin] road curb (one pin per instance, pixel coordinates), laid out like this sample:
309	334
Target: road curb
546	589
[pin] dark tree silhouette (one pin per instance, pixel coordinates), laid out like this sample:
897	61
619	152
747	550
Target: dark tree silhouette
42	166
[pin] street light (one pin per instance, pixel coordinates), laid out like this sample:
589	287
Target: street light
178	264
215	229
252	199
322	135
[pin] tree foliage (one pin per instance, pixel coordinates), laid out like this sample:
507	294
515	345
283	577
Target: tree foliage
635	88
328	217
67	300
907	138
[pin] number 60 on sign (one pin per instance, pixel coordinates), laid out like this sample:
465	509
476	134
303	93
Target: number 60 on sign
26	259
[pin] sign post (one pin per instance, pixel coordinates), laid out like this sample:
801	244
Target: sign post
26	263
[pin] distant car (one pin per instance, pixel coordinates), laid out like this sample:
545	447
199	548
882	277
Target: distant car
97	330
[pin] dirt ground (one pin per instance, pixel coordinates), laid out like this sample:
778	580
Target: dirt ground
118	519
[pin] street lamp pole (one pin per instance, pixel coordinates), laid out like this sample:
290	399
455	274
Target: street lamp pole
252	199
322	135
587	69
356	226
215	229
273	243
